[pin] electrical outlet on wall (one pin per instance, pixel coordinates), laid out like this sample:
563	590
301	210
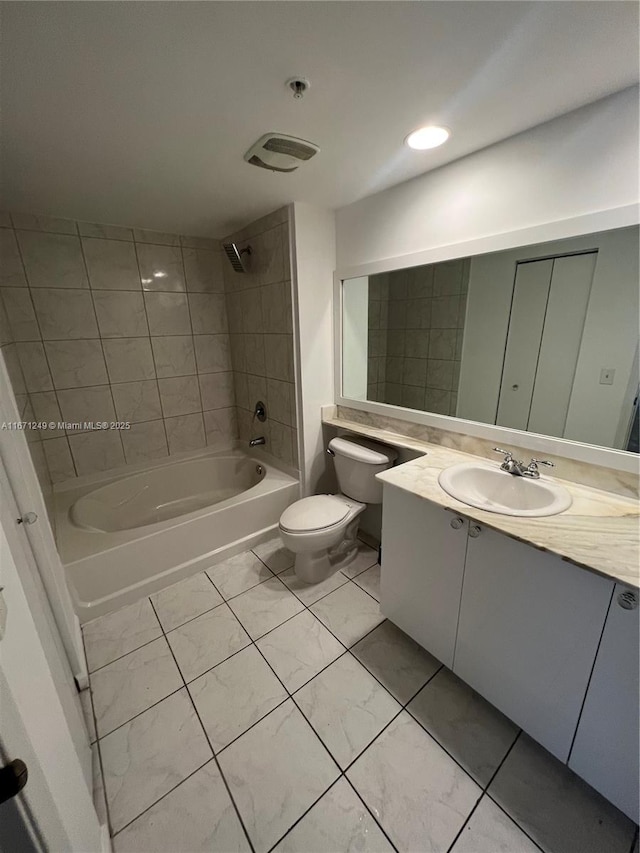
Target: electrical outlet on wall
606	375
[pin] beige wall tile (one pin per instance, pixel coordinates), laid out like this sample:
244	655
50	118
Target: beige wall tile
255	354
174	355
107	232
221	426
32	222
137	401
95	451
213	353
85	405
208	313
279	357
160	267
112	264
11	269
200	243
59	461
160	237
120	314
35	367
144	441
185	432
45	408
52	260
129	359
216	390
65	314
180	395
167	313
203	270
20	314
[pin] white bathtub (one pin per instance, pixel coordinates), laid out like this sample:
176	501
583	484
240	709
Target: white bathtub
130	534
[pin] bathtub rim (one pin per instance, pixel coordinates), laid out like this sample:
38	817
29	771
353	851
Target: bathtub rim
73	552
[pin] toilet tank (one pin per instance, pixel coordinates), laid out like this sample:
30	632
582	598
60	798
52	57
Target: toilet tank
357	463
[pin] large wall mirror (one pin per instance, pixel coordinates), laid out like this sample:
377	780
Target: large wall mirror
543	338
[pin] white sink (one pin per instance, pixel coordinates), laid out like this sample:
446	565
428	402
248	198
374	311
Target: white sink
489	488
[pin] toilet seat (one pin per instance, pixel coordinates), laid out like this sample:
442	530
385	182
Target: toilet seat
319	512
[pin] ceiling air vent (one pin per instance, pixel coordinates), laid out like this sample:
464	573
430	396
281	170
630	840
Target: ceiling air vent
280	153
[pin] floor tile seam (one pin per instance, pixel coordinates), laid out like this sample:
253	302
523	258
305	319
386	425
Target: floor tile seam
442	746
122	657
102	666
362	571
213	754
140	713
375	819
315	803
362	589
236	594
465	822
159	800
321	597
197	616
512	818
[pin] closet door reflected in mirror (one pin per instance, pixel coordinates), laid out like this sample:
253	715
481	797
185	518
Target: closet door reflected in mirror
543	338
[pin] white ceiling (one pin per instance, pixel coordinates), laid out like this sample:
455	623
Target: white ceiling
140	113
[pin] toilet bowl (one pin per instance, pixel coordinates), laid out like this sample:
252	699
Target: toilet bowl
322	530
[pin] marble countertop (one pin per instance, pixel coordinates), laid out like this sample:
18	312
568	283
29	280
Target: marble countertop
600	531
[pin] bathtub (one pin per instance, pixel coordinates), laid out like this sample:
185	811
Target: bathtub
133	532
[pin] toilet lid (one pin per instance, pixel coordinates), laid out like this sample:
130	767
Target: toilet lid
314	513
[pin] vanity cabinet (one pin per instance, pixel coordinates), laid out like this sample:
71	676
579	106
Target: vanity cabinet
552	645
423	564
607	745
528	632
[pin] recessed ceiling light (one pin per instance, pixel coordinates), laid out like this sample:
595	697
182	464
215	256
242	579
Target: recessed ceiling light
427	137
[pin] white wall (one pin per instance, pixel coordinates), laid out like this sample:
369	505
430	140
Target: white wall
355	336
580	163
313	241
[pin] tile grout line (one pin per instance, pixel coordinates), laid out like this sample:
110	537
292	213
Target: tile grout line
291	696
403	706
213	754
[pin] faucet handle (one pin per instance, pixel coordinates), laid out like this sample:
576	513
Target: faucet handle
542	462
532	468
508	455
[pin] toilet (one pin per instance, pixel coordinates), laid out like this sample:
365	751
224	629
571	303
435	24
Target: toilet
322	530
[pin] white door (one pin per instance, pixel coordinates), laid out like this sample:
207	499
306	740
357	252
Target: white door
40	721
528	308
561	340
528	632
423	548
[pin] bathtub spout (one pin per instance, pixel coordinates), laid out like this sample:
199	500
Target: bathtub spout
256	441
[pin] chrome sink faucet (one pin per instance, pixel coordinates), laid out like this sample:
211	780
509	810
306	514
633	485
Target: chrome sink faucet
519	469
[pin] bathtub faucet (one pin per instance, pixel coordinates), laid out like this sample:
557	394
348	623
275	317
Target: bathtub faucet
256	441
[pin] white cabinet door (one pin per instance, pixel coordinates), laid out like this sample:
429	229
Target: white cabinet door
422	568
528	632
605	751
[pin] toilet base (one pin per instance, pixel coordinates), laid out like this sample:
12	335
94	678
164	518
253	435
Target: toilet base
316	566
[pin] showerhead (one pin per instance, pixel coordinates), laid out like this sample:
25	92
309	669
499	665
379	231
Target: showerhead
235	256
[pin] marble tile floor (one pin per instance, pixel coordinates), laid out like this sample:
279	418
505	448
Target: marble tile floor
240	710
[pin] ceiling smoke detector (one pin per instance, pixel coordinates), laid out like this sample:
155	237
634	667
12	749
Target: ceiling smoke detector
280	153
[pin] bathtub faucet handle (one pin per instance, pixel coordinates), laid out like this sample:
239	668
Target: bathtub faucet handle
260	411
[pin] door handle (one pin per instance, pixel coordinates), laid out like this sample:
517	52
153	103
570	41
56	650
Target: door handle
13	778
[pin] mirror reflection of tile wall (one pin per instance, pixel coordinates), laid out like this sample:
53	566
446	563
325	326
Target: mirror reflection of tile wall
416	323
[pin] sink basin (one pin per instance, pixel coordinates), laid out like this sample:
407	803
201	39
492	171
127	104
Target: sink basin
489	488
